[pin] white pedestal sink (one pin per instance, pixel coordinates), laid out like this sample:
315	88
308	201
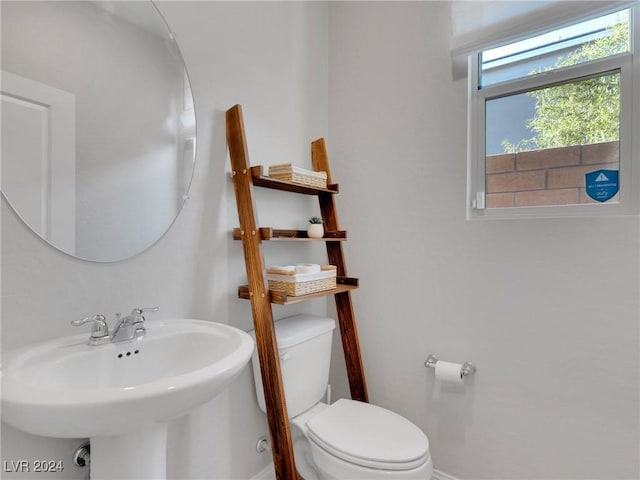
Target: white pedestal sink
121	395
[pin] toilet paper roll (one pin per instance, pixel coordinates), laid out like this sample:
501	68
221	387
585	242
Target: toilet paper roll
448	372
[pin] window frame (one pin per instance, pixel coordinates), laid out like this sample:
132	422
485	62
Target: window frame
628	66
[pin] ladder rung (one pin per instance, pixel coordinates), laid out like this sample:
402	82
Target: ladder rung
261	180
268	233
279	297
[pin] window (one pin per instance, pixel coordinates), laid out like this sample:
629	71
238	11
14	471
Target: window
550	120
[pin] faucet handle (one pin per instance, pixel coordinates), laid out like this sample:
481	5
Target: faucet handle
82	321
139	311
97	319
99	328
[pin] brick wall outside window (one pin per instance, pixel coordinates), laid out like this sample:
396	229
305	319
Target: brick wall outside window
553	176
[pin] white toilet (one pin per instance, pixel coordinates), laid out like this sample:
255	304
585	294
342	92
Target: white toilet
347	439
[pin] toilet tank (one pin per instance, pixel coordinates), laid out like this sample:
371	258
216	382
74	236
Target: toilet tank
304	345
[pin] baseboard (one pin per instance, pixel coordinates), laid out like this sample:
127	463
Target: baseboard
267	473
438	475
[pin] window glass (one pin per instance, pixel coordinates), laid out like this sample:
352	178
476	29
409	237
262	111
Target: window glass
551	138
586	41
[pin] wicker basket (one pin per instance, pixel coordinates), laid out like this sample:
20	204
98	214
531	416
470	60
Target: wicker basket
300	176
295	289
301	179
303	283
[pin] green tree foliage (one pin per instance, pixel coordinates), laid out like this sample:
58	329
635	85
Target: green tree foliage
579	112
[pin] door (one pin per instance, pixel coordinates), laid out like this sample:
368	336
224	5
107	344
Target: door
38	157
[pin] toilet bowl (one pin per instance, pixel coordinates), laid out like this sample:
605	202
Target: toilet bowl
351	439
347	439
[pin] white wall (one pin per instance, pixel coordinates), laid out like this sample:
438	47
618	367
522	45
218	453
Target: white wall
272	58
547	309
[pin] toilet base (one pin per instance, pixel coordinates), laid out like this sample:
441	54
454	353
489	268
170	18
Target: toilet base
304	459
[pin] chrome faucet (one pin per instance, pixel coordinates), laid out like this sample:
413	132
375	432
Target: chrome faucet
99	329
131	326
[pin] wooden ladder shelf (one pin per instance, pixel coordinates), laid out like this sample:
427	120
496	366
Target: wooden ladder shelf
244	179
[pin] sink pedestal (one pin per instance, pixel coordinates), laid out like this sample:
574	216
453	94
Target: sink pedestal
141	455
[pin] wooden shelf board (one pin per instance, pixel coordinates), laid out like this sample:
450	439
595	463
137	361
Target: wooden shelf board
278	297
261	180
281	235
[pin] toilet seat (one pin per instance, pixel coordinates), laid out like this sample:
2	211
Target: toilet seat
369	436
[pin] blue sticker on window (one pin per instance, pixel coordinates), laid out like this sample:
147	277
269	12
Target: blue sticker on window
602	185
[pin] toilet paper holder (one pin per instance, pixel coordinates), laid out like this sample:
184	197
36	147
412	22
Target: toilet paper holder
466	369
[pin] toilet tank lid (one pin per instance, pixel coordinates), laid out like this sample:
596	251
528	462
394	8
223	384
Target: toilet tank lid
294	330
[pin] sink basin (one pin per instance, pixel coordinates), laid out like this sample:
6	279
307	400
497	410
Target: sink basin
64	388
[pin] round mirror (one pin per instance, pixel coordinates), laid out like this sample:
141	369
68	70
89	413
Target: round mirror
98	124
